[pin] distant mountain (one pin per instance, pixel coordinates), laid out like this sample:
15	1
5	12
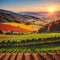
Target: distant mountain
19	15
51	27
41	15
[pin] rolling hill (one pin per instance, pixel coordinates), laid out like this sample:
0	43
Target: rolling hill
9	16
26	22
4	17
41	15
19	25
29	20
24	26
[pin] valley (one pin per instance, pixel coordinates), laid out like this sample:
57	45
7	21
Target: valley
26	33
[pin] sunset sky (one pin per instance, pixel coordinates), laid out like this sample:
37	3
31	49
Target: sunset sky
29	5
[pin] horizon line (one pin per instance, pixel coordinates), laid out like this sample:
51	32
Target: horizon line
27	11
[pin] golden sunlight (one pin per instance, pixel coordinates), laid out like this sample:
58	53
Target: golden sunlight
51	9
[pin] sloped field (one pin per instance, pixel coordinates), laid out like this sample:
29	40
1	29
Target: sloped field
30	56
9	28
20	25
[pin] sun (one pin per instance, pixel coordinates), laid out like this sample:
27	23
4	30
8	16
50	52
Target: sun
51	9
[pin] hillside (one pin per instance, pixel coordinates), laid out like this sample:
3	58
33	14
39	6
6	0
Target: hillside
10	28
51	27
9	16
44	16
24	26
27	22
19	25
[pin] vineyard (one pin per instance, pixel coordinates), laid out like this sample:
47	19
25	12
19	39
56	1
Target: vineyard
30	49
36	36
36	46
30	43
